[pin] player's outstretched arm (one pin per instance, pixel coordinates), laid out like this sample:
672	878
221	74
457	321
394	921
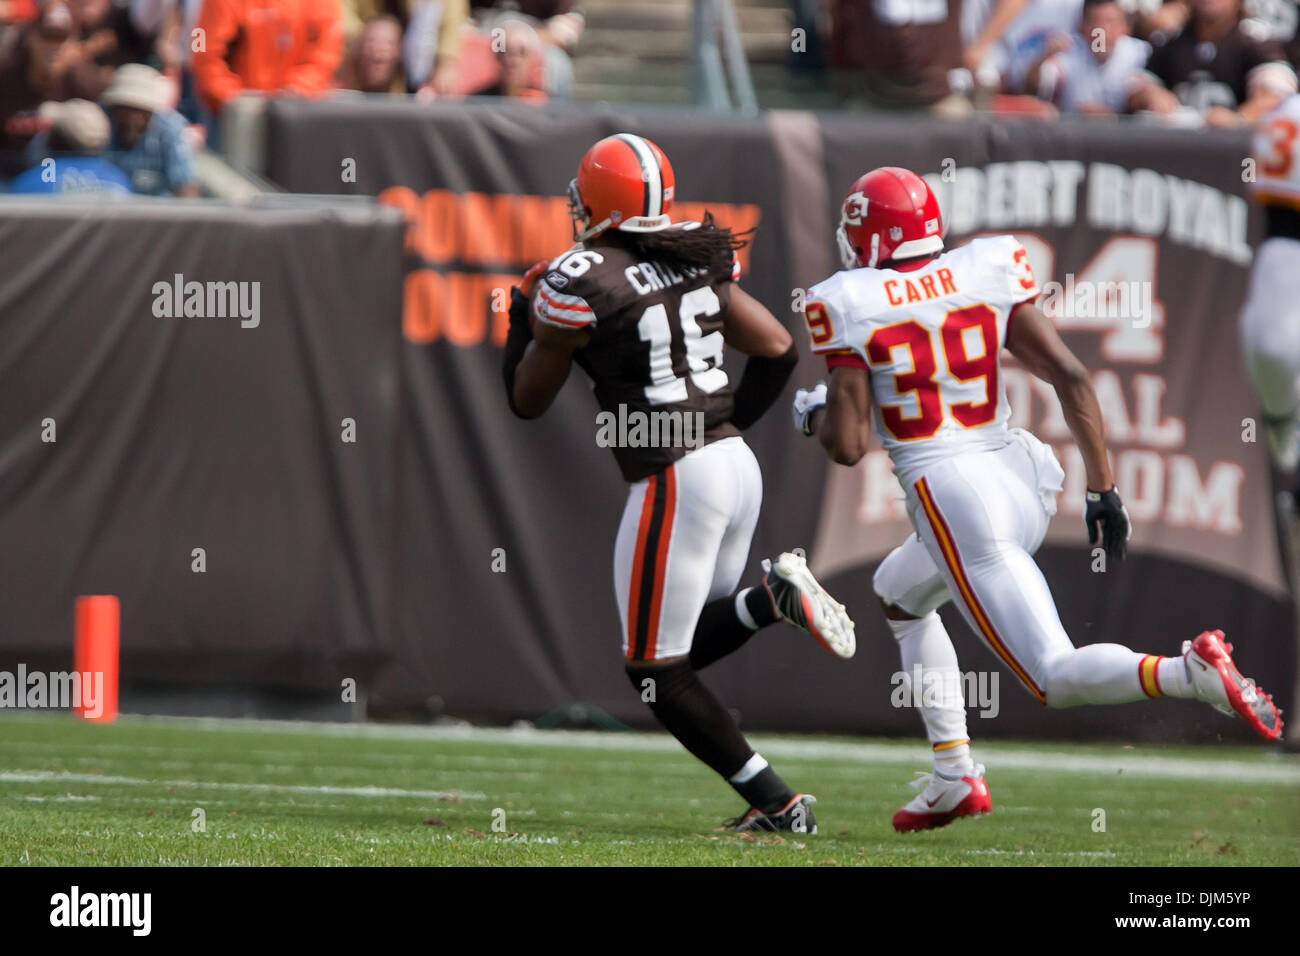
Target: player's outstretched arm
1033	340
843	423
748	326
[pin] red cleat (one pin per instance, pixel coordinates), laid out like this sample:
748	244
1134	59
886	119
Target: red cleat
944	800
1218	682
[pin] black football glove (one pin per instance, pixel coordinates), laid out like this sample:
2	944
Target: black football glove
517	339
519	306
1106	519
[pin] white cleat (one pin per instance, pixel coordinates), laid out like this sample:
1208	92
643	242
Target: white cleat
944	800
799	600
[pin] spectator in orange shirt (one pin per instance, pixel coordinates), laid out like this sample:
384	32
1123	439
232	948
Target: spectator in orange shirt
289	46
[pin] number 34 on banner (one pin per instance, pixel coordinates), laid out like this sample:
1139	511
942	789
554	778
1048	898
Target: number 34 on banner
1113	294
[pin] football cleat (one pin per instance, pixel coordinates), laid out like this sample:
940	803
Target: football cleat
944	800
1217	681
799	600
795	817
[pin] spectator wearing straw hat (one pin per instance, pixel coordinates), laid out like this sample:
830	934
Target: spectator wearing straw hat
148	136
77	136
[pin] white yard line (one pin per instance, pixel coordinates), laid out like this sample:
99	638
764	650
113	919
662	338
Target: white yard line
52	776
1282	769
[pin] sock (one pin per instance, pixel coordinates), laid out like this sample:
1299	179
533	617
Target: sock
690	712
1112	674
952	759
928	657
759	605
727	623
760	786
1171	677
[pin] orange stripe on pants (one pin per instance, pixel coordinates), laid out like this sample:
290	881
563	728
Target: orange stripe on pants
660	570
949	548
634	592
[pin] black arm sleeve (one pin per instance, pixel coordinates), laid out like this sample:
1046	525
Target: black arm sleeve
517	340
761	385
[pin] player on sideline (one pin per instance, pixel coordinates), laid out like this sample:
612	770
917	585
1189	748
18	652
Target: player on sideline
1270	320
643	306
916	332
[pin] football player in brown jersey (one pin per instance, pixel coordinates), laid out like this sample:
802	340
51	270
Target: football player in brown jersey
644	306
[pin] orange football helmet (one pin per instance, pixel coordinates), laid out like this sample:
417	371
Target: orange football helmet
624	182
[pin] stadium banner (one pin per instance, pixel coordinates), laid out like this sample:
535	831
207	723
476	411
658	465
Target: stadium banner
198	410
505	594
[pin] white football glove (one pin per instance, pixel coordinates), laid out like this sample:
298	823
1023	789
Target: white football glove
807	401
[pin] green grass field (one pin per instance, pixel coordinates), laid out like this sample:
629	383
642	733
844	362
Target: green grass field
279	793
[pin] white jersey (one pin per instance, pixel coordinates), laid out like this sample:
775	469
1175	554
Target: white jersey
1084	80
931	339
1276	150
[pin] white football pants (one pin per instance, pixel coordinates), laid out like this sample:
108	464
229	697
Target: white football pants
684	541
1270	327
979	517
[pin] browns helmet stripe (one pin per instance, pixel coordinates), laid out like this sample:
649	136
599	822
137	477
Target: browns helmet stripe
650	175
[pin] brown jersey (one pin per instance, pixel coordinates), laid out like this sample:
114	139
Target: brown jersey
896	52
655	352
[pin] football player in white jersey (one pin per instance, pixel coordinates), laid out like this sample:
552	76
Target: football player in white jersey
914	333
1270	320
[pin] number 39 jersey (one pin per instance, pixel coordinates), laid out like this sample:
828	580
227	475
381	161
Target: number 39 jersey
931	339
655	353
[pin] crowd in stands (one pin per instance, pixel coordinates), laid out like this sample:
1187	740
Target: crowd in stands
137	84
1182	62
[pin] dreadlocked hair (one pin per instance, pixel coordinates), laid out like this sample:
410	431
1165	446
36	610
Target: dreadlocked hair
707	246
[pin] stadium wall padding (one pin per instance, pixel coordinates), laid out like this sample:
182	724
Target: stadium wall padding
457	560
129	438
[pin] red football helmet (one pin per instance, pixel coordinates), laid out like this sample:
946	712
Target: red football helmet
624	182
890	213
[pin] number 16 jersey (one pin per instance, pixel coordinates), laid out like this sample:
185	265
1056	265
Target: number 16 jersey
655	353
931	339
